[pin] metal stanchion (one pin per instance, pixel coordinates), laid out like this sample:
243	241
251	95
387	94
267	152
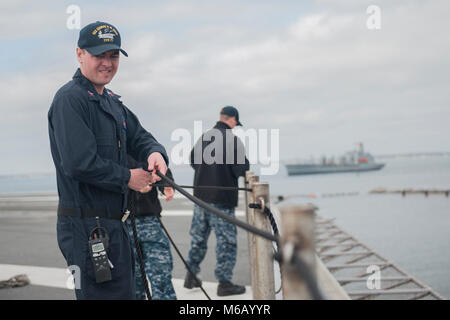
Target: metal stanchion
262	249
297	245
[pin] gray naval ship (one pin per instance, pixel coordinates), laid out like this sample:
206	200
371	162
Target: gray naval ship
354	161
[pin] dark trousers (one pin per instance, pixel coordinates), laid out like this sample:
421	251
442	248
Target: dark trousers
73	236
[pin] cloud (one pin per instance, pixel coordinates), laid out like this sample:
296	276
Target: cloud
315	72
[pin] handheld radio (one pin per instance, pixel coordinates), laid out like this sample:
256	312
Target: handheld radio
98	244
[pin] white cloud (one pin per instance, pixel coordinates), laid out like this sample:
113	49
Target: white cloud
323	72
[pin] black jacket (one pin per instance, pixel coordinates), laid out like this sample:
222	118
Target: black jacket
223	169
90	136
145	204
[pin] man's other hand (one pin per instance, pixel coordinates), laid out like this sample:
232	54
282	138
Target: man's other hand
168	192
156	162
146	189
139	180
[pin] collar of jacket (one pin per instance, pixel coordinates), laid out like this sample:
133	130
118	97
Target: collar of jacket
93	95
222	125
78	76
81	79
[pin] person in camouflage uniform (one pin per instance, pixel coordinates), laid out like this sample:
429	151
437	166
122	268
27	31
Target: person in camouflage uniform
203	222
223	171
154	244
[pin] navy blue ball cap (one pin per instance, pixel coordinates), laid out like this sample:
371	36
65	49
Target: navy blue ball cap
231	112
99	37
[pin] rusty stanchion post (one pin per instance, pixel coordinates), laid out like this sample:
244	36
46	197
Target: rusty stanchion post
262	249
297	239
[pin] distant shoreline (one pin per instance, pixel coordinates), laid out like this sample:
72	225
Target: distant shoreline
410	155
413	155
27	175
380	156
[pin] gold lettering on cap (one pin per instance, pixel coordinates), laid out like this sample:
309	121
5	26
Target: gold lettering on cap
103	27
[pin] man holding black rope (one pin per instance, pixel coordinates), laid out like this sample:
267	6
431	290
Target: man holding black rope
91	132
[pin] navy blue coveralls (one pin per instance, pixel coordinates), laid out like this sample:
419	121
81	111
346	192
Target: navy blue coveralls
90	136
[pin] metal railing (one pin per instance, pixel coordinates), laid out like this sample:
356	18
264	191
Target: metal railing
296	246
296	255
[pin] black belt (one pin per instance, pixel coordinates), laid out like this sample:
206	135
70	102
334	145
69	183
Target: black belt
87	213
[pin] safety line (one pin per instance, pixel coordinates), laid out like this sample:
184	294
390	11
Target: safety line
203	187
182	259
301	267
139	249
217	212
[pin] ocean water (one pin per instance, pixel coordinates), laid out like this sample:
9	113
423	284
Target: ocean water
412	231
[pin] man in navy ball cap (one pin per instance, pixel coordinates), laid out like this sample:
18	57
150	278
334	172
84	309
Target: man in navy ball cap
231	112
99	37
98	53
91	134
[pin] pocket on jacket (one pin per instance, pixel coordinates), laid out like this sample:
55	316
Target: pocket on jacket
105	147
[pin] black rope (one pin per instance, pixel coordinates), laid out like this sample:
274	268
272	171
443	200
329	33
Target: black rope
202	187
269	214
304	271
302	268
274	225
217	212
139	249
182	259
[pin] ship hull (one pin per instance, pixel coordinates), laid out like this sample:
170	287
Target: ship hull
300	169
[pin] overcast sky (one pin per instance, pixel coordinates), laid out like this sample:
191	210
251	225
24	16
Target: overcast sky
311	69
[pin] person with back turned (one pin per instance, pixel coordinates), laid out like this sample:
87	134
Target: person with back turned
91	132
221	167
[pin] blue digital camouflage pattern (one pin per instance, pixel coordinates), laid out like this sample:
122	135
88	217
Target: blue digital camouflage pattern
157	259
203	222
